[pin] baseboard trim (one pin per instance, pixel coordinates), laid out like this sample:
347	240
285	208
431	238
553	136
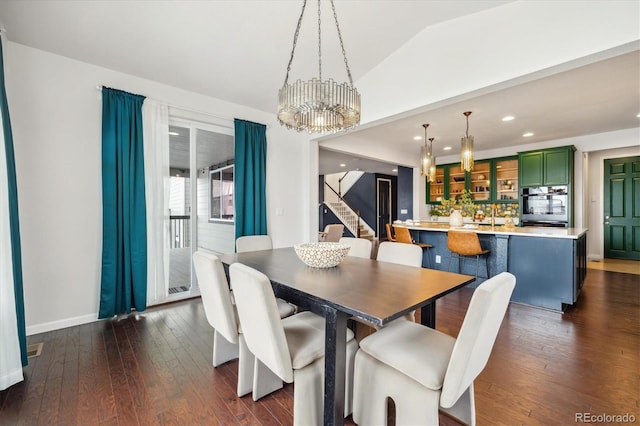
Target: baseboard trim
57	325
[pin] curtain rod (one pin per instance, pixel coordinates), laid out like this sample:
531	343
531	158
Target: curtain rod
99	87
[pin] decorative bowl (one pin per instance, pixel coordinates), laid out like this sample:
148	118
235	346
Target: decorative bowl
321	255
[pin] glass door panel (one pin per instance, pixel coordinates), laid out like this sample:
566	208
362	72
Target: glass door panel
456	181
480	186
436	188
507	180
179	227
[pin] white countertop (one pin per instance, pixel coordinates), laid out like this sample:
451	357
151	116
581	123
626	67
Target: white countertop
529	231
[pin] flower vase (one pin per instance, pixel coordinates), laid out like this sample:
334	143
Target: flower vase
455	219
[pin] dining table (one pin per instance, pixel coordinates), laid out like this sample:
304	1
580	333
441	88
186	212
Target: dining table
374	291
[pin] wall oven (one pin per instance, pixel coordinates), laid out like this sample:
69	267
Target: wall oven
544	206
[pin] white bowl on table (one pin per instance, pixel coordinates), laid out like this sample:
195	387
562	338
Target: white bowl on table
322	254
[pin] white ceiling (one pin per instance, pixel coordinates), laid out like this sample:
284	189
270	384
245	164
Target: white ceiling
237	50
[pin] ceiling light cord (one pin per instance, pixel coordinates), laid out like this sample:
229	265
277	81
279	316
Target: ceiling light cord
295	41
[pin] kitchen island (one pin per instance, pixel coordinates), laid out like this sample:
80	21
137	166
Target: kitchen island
550	264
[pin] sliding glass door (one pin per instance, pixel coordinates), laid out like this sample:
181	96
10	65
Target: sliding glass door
200	199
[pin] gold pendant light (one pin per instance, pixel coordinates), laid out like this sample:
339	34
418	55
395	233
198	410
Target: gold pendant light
425	154
431	175
316	105
466	155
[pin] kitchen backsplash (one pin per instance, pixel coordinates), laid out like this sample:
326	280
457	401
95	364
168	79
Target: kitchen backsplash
502	210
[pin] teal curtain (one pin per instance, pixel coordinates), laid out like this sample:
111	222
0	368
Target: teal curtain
14	223
250	178
124	233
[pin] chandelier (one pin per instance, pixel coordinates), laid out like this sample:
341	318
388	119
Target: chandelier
318	105
426	155
466	144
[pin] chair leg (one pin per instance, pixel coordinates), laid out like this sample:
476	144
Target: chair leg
375	382
223	350
265	381
486	267
464	409
245	368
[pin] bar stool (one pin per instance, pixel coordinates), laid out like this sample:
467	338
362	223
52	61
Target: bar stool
466	244
390	236
404	236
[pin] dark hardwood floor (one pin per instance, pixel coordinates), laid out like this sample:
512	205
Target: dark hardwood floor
156	368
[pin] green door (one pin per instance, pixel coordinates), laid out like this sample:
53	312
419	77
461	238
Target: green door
621	212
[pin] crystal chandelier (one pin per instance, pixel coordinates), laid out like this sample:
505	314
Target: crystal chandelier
317	105
426	155
466	155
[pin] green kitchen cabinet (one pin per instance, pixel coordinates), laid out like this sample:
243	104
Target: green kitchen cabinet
546	167
530	167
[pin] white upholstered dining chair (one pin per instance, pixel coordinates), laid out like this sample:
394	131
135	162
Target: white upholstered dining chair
403	254
263	242
424	370
253	243
293	348
228	341
360	247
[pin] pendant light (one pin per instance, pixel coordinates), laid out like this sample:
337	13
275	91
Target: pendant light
317	105
425	154
466	155
431	175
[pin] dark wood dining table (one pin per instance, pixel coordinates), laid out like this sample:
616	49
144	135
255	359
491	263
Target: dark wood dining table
377	292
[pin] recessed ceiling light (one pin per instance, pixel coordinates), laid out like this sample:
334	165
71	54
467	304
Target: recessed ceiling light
527	135
446	148
508	118
417	138
343	165
174	134
638	115
394	170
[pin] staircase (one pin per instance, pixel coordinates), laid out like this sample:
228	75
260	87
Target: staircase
350	219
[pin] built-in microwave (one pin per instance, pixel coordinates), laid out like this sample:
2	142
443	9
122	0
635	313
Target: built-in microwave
544	204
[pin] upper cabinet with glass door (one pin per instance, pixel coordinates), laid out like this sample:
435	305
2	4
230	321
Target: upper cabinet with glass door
494	180
435	190
457	179
480	181
507	179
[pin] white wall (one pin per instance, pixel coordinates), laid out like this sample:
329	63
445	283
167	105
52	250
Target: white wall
56	119
492	47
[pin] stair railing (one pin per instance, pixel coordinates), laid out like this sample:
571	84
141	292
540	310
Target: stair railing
356	212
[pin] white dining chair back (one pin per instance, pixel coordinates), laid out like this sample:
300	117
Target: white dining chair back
253	243
216	297
263	242
228	341
477	336
360	247
293	348
423	370
404	254
261	323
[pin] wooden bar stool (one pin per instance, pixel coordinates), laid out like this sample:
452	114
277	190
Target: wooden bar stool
466	244
403	235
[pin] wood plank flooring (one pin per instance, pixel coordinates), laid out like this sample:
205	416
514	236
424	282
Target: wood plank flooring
155	368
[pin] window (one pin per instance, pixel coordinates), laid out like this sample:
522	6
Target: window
221	206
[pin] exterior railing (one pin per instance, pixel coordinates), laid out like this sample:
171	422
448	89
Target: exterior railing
180	231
